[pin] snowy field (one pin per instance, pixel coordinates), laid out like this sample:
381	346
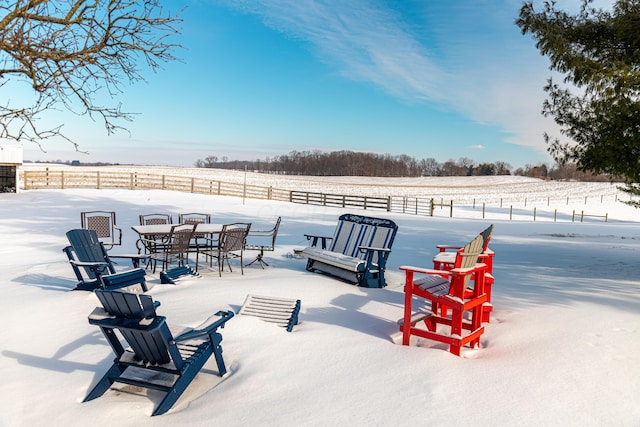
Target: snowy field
503	197
562	348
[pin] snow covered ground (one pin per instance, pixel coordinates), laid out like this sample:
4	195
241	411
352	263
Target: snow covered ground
502	197
562	347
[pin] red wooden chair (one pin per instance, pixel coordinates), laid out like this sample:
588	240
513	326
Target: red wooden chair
445	259
451	295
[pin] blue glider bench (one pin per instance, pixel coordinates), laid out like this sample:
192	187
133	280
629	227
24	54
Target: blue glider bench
357	251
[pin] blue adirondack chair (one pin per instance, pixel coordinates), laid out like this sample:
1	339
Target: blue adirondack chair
88	255
150	346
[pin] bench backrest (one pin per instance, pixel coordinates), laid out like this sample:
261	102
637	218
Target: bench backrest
354	231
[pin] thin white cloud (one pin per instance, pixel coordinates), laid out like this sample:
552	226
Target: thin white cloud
495	80
365	40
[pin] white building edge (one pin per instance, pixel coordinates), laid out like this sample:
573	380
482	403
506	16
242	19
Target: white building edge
11	159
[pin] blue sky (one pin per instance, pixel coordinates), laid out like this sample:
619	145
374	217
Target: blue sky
441	79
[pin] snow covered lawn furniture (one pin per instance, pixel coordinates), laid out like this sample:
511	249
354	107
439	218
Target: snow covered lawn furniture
126	279
172	248
445	260
104	223
147	353
262	240
173	275
280	311
454	303
90	261
357	251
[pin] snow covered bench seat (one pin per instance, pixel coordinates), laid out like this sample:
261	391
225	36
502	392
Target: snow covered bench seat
358	250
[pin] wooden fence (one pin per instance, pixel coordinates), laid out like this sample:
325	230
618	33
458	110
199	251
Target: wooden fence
139	181
61	179
340	200
421	206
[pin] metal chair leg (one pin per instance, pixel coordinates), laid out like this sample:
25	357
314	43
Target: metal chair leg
259	259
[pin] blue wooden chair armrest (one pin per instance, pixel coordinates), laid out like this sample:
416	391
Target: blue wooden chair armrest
208	329
314	240
89	263
383	254
98	267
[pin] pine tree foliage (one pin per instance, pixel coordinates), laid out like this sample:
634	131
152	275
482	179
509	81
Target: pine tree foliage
598	107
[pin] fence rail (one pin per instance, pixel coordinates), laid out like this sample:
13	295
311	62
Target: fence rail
340	200
145	181
421	206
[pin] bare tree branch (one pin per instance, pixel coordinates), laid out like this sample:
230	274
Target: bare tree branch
71	51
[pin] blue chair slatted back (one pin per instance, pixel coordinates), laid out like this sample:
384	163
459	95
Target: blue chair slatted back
88	248
152	343
126	304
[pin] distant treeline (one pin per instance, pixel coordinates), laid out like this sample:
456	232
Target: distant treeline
350	163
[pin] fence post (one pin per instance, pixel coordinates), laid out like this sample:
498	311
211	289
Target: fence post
510	212
388	203
483	206
555	215
573	216
534	214
193	184
432	208
451	210
582	216
62	180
